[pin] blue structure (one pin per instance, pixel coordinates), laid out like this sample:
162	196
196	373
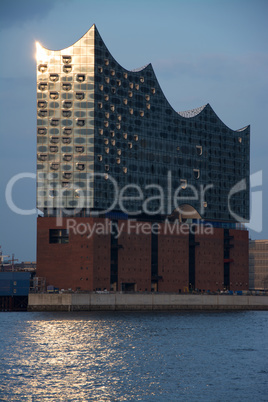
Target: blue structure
14	283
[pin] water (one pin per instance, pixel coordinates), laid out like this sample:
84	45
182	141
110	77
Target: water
115	356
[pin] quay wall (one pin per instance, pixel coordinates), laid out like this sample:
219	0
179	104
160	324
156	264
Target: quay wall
143	302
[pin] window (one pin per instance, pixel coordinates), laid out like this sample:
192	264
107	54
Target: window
54	95
66	113
80	77
54	122
125	135
107	80
80	122
54	166
79	149
125	169
107	115
80	95
141	113
196	173
178	148
131	85
112	134
125	75
106	176
80	166
199	149
66	140
42	104
67	69
66	59
106	141
113	142
42	157
129	145
125	101
112	72
107	168
106	97
118	126
136	137
42	68
58	236
240	140
106	62
99	105
131	111
100	69
153	90
67	158
53	149
112	108
67	175
54	77
183	184
42	113
76	193
147	97
67	131
42	130
118	161
67	104
65	184
101	87
66	86
113	90
100	131
130	94
118	82
107	150
205	204
42	86
99	158
141	79
106	124
148	106
54	140
137	87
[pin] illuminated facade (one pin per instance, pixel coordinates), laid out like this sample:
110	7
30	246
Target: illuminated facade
110	148
98	122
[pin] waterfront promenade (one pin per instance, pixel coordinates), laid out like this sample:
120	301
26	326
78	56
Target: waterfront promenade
143	302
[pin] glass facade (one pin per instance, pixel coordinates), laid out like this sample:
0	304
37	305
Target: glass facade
100	124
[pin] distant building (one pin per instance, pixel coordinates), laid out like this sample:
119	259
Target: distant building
111	149
258	264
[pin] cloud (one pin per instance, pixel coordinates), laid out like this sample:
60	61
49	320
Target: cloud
19	12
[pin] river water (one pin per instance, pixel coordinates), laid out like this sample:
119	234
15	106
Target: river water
116	356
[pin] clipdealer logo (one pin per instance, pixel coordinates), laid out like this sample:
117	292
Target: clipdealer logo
256	194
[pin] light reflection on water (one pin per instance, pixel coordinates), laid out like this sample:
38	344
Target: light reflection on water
115	356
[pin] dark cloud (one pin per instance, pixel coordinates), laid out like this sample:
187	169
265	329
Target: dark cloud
19	12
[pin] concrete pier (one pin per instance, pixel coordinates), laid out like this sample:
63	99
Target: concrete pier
143	302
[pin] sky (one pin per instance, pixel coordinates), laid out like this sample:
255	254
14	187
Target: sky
206	51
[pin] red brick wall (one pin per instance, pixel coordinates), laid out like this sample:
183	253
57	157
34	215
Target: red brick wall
239	268
134	258
85	262
173	261
209	260
81	263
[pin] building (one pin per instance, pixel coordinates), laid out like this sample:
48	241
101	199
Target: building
111	149
14	290
258	265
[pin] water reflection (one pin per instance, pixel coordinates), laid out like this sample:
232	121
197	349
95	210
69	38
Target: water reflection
136	356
